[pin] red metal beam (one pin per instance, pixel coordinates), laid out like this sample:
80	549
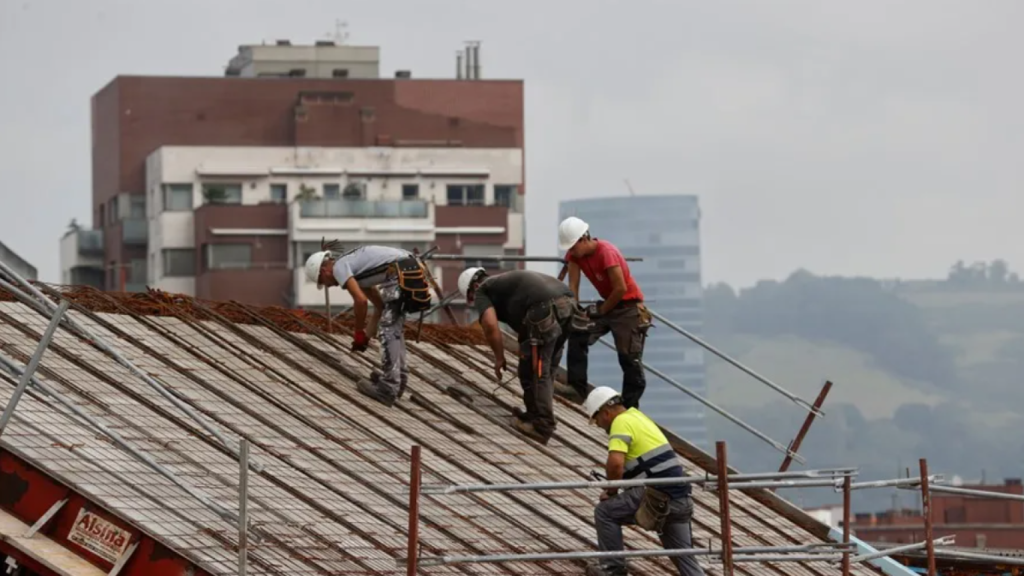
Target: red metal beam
846	524
414	512
794	446
27	493
926	511
723	505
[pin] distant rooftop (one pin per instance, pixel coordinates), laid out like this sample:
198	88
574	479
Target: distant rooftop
322	59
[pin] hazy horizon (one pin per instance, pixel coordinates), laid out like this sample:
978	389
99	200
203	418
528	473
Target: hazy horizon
873	139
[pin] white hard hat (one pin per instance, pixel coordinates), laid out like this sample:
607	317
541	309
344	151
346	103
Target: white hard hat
466	278
313	264
597	398
570	231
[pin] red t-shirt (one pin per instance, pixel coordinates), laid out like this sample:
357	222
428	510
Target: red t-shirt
594	267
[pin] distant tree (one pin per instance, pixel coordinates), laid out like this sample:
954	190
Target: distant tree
998	271
856	312
306	193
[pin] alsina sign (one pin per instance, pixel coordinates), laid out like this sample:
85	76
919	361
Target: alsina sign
99	536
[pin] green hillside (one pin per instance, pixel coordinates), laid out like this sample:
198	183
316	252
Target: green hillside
932	369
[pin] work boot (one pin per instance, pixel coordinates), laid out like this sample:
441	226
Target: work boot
402	387
528	429
368	388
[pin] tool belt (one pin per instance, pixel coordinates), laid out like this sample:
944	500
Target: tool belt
412	279
653	510
542	318
540	323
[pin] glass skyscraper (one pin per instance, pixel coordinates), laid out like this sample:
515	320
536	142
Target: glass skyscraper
665	232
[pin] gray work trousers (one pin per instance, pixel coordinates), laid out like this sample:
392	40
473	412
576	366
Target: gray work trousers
394	369
614	513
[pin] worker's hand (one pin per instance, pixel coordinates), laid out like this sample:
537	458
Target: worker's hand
608	493
594	310
360	341
499	367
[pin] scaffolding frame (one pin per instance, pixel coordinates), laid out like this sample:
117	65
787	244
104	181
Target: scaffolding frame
840	479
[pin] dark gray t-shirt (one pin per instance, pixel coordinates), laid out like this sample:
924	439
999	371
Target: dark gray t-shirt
513	293
365	259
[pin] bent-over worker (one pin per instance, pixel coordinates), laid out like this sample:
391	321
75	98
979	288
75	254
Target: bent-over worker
621	311
539	308
392	279
638	449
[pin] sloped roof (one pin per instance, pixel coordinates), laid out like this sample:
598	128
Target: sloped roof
332	497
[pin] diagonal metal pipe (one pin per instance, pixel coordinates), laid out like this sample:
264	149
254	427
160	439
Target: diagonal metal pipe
725	413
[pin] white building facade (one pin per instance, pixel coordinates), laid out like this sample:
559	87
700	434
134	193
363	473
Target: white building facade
241	215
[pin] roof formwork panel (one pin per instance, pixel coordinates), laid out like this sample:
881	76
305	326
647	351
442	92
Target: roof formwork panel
331	497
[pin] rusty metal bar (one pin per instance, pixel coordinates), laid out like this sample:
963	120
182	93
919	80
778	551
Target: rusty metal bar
33	364
926	511
243	506
697	340
723	507
414	512
846	522
806	427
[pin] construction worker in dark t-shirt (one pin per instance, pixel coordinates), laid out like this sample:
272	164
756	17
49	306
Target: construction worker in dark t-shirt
621	311
540	309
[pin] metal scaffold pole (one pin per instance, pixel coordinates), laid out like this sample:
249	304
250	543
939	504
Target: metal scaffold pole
729	416
696	339
33	364
243	507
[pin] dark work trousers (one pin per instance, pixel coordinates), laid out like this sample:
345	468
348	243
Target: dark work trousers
628	322
550	323
620	510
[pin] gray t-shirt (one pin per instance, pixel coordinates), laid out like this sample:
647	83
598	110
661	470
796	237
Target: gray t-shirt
365	259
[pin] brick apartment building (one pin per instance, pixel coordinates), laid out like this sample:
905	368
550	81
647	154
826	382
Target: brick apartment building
220	187
976	522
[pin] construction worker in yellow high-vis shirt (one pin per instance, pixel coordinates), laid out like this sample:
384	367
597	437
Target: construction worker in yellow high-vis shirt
637	449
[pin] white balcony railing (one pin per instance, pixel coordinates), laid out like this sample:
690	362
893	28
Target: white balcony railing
340	208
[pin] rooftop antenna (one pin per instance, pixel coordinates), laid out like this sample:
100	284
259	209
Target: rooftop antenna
630	186
340	34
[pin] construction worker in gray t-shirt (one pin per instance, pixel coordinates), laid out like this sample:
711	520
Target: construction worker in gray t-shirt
395	282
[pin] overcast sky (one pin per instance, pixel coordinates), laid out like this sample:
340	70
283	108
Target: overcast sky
877	138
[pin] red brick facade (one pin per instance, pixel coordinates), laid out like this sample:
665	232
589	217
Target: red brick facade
133	116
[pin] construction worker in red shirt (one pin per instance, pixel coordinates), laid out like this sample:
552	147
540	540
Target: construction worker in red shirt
621	310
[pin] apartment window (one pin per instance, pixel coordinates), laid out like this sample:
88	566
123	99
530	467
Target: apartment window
179	262
221	256
137	206
222	193
279	193
505	195
332	191
354	191
465	194
304	250
177	197
511	264
340	73
482	250
410	191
